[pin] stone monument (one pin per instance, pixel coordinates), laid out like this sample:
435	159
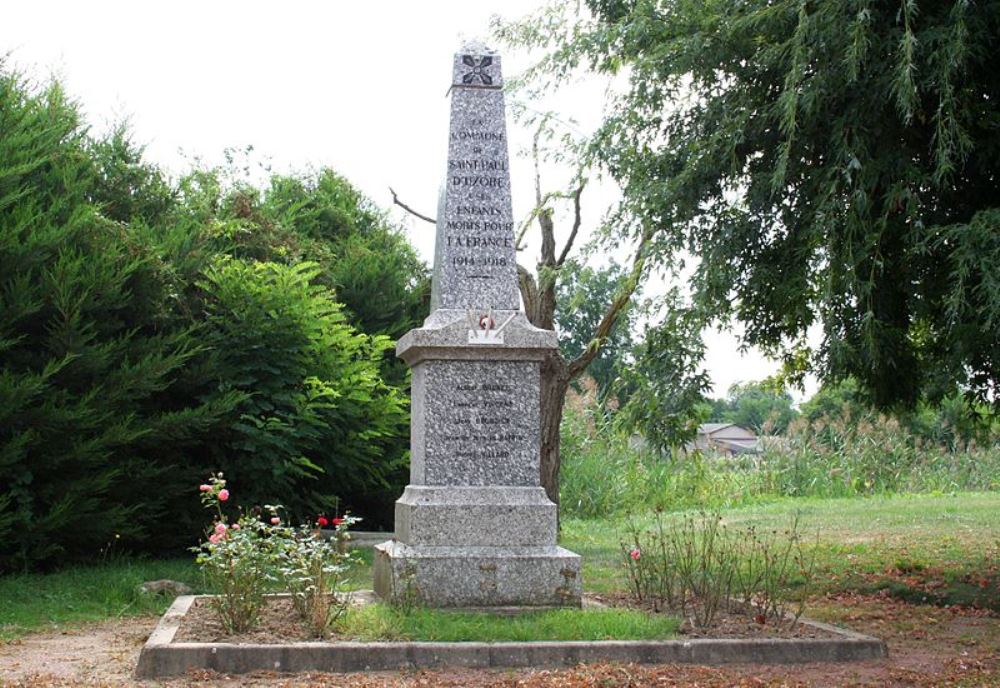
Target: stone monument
474	527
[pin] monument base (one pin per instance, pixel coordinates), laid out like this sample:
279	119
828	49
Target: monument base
494	516
545	576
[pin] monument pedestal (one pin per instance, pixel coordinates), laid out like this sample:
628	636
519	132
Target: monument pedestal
474	527
478	576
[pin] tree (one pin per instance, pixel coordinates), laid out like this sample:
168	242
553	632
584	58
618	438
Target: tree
826	162
92	437
835	400
364	263
582	295
126	186
151	332
667	385
950	421
370	264
763	407
316	425
539	294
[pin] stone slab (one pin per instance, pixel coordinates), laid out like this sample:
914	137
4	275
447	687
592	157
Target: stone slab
477	576
163	658
445	334
475	423
470	516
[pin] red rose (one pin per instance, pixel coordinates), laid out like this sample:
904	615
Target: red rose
337	522
322	522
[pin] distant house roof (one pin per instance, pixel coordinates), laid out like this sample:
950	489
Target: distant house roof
741	447
709	428
726	437
727	430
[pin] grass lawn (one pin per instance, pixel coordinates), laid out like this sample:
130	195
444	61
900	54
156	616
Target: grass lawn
86	593
944	544
942	549
380	622
47	601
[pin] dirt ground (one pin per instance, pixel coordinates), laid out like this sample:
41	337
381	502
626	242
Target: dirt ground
928	646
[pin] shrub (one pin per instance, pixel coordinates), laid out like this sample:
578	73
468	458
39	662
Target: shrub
132	354
315	418
89	358
236	559
243	559
313	570
698	566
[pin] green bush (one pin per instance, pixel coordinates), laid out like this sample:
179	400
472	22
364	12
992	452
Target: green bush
366	262
87	418
316	420
151	332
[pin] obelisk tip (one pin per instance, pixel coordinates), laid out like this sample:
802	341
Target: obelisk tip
477	66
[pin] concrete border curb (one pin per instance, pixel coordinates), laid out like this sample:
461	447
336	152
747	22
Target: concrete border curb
161	657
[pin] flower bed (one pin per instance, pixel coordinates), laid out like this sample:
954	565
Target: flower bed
165	654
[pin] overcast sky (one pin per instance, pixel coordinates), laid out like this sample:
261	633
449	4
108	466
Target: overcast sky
359	87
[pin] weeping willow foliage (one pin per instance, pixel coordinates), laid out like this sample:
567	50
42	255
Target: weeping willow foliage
832	163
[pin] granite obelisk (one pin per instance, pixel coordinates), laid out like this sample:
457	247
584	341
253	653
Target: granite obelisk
474	527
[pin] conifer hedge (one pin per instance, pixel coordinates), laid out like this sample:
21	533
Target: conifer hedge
152	332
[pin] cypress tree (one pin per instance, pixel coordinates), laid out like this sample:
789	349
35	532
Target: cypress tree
90	434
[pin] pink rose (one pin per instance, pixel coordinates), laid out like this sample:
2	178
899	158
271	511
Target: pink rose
214	538
205	488
223	495
220	528
275	520
635	554
236	526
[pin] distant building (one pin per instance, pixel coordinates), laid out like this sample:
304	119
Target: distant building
725	438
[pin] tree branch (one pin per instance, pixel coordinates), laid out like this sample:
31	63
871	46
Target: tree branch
548	230
580	363
526	224
534	155
529	292
576	225
411	211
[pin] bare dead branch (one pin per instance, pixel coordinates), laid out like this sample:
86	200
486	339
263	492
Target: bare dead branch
525	226
411	211
548	230
526	223
534	156
576	225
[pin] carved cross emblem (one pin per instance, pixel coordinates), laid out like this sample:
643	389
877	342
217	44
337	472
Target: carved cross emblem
478	70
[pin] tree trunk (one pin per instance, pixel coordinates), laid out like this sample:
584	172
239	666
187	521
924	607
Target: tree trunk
555	381
540	307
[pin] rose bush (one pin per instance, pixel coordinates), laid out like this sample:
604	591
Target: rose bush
313	569
242	559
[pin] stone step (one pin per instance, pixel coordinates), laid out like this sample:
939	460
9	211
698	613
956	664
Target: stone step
493	516
477	576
